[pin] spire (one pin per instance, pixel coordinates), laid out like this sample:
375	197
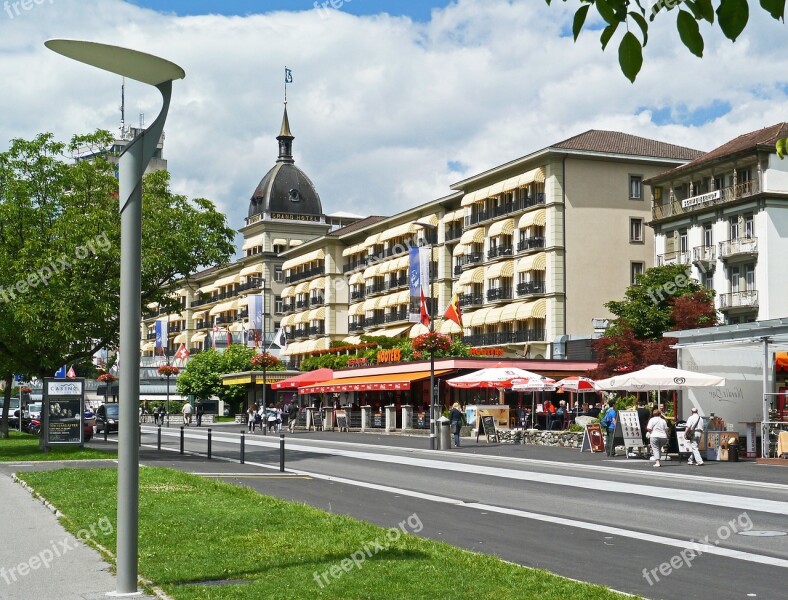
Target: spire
285	141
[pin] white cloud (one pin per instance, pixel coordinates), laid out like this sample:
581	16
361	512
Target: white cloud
380	105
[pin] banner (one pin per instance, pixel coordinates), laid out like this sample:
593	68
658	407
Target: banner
255	304
162	333
419	272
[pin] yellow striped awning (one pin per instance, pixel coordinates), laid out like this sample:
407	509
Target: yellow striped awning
501	269
494	316
453	216
476	318
288	292
317	314
505	227
357	278
522	311
371	271
287	321
459	250
198	337
428	220
449	327
253	241
309	257
302	288
180	338
398	231
475	275
473	236
317	284
533	176
417	330
356	309
475	197
252	269
148	346
371	304
535	262
279	242
199	314
224	307
372	240
294	243
236	327
352	340
322	343
230	279
535	217
209	287
356	249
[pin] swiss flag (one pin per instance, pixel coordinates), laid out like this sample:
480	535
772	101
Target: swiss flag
425	316
72	374
182	353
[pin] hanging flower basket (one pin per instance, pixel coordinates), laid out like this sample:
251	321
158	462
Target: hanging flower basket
431	342
269	361
25	390
168	370
107	378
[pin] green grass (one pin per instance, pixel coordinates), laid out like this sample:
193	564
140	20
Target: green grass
23	447
218	419
192	530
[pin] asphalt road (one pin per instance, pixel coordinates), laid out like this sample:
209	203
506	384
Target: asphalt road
674	532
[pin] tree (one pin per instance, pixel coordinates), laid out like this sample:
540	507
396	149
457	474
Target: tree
731	16
203	375
60	251
664	299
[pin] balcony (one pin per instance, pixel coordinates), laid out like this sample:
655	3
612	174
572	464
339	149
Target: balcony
458	269
741	247
316	301
531	243
530	287
467	300
321	270
734	300
498	294
357	295
453	233
673	258
301	332
371	290
499	251
504	337
373	322
505	209
704	255
301	304
397	316
674	206
317	330
473	258
288	307
355	326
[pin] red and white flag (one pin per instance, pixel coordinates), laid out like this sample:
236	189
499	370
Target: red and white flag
72	374
425	315
182	353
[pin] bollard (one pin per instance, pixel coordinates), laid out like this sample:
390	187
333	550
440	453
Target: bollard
282	452
158	439
181	439
243	442
209	443
106	430
139	435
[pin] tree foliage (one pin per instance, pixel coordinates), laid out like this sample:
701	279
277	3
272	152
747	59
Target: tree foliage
202	377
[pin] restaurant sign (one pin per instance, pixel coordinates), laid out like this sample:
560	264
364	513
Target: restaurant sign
387	356
487	352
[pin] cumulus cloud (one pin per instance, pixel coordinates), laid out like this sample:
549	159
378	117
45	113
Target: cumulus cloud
387	112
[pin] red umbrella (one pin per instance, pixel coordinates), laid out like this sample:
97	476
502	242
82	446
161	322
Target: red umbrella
577	384
492	377
306	378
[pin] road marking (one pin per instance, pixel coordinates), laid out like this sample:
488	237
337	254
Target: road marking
248	476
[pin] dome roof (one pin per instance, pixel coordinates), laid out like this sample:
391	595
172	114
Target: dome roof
285	188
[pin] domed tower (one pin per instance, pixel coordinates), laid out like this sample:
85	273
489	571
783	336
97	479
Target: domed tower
285	191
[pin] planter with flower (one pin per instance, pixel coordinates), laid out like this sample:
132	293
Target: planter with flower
266	361
431	342
168	370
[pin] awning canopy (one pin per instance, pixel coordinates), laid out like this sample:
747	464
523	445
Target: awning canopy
417	330
180	338
309	257
500	269
287	321
252	269
356	278
535	262
475	275
224	307
198	337
148	346
356	309
302	288
355	249
307	378
522	311
535	217
294	243
230	279
394	381
371	271
449	327
389	331
371	240
254	241
317	284
399	231
453	216
317	314
199	314
279	242
476	318
505	227
459	250
288	292
473	236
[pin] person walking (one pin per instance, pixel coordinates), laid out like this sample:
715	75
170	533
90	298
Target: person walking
187	414
692	434
609	424
658	431
199	411
292	415
251	416
162	412
455	420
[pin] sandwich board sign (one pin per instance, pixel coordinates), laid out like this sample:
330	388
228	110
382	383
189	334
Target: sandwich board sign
63	412
628	427
593	439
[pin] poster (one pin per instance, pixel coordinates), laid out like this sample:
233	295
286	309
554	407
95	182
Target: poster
63	411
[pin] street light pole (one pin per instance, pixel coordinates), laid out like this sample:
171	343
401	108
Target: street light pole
160	73
433	395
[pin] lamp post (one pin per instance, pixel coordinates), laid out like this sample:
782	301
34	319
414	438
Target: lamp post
160	73
433	391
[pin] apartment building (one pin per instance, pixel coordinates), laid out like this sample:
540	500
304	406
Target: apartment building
725	216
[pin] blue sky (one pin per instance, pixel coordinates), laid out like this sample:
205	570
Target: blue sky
418	10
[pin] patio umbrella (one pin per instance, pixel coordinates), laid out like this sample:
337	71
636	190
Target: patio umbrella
305	378
534	384
491	377
658	378
577	385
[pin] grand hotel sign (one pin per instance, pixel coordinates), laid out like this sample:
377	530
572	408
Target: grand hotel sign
295	217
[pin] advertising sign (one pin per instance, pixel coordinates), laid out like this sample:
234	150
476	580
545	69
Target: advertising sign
63	411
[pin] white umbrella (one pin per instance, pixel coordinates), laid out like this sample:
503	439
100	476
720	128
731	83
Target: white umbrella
534	384
492	377
659	377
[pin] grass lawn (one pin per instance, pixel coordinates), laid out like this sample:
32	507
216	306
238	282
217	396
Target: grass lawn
23	447
218	419
193	530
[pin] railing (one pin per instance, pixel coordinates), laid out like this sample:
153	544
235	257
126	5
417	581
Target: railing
499	294
252	284
746	299
301	332
397	316
505	209
472	258
399	282
452	233
315	300
505	337
357	295
499	251
373	322
530	243
288	307
458	268
530	287
301	304
321	270
703	254
355	326
675	206
675	257
471	300
374	289
319	330
738	246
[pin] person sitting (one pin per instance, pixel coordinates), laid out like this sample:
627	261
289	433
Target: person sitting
557	418
593	411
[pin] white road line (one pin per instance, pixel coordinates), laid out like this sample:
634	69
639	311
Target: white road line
652	491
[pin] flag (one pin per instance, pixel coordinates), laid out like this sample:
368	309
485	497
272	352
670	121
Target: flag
453	312
255	310
72	374
162	333
281	338
182	353
425	315
229	338
288	75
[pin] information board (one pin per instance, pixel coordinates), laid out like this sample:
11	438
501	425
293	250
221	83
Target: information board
342	420
487	424
422	420
377	419
628	427
63	411
593	439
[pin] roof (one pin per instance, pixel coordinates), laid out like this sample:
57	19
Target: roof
366	222
765	138
616	142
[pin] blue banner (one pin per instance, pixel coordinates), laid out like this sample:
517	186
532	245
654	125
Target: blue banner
414	273
162	334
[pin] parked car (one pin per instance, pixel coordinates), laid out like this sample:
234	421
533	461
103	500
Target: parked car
34	410
107	416
13	407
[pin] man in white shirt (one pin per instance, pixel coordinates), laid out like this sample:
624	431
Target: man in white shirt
187	414
692	433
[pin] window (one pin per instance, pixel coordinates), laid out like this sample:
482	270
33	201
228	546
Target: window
734	273
708	280
635	270
749	278
708	236
748	227
734	228
279	305
635	185
657	193
278	275
742	175
683	243
635	230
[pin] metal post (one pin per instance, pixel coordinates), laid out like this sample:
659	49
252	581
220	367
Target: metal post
433	404
209	443
106	427
282	452
158	439
139	436
168	394
181	439
766	386
243	444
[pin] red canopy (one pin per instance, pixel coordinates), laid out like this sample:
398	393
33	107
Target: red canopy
306	378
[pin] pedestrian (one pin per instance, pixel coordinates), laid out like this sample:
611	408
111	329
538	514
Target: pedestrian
609	424
657	428
251	415
293	416
455	420
692	434
187	414
162	412
199	411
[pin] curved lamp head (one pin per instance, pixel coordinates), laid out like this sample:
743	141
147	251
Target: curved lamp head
122	61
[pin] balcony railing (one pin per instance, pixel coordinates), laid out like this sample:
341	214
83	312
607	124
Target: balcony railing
302	304
371	290
499	251
746	299
504	337
317	330
531	243
703	254
499	294
356	326
530	287
316	300
674	206
453	233
321	270
357	295
288	307
505	209
396	316
472	258
740	246
673	258
471	300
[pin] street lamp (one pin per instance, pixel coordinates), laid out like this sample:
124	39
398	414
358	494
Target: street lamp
160	73
433	388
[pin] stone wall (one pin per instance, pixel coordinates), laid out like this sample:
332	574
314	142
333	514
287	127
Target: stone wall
568	439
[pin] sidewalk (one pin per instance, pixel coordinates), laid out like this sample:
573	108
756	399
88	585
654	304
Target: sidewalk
40	559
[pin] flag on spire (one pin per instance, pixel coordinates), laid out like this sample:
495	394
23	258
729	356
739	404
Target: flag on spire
453	311
288	75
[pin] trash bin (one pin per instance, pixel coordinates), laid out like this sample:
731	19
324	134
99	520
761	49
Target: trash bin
444	434
733	450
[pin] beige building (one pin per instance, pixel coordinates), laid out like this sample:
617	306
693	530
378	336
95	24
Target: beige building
725	216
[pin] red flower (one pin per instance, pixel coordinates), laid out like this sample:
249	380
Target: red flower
432	342
107	378
265	359
168	370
